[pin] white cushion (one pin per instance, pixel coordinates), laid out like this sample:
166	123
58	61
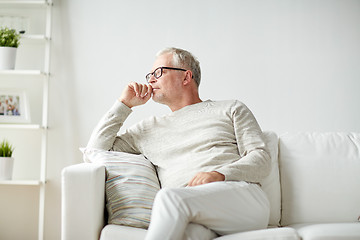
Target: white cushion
271	184
330	231
111	232
130	187
285	233
320	177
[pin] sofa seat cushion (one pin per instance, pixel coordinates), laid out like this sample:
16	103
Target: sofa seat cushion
284	233
111	232
328	231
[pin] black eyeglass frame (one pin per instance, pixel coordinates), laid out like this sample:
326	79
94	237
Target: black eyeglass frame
148	76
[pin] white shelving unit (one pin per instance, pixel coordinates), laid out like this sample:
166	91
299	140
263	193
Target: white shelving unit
44	76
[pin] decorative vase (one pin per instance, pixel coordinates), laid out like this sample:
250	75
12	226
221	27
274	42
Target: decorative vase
7	58
6	168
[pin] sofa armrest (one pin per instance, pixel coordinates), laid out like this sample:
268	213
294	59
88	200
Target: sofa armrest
82	201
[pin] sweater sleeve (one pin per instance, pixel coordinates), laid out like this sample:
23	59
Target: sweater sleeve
254	163
104	136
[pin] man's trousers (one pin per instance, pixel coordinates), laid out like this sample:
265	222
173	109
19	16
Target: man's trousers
208	210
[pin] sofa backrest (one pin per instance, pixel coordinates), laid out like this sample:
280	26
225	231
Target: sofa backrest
271	184
320	177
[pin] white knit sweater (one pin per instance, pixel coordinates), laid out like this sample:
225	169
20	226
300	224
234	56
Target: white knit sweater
218	136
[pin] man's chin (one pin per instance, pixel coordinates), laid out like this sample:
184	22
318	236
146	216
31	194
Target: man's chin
154	98
158	98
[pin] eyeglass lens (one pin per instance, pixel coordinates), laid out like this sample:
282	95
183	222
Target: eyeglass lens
157	73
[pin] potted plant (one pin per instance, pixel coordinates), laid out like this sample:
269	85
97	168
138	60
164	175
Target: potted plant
9	41
6	160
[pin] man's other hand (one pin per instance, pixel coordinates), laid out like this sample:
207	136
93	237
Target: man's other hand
135	94
206	177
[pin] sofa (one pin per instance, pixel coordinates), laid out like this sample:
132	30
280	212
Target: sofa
313	190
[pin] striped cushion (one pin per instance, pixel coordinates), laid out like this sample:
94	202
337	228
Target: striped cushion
131	185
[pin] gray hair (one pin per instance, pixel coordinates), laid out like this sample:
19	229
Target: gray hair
183	58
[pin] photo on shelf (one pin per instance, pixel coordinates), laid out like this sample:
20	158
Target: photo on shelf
14	106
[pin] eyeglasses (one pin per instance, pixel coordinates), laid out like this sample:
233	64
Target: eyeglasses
159	71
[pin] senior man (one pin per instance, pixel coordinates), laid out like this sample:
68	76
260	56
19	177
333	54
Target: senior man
210	155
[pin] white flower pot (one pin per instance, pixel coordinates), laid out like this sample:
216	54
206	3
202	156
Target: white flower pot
6	168
7	58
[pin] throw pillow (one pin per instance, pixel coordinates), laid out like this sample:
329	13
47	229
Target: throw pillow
131	186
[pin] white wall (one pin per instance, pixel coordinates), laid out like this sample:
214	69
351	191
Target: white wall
296	64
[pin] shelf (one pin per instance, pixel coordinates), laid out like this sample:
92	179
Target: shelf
21	126
15	3
21	182
23	72
34	37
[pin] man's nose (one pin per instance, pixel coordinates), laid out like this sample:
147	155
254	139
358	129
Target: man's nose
152	79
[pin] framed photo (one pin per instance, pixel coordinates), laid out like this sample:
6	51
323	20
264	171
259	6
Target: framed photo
14	106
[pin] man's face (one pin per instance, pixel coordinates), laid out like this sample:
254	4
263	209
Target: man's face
167	88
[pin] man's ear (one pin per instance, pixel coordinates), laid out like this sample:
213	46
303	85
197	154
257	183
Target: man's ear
188	78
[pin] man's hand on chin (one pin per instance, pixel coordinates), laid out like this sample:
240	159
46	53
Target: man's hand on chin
206	177
135	94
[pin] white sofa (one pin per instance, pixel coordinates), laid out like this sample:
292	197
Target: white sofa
314	192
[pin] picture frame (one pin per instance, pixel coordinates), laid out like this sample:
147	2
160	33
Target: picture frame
14	106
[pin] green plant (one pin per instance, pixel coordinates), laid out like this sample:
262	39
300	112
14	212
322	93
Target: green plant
9	37
6	149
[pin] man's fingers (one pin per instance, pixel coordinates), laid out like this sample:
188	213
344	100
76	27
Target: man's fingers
148	93
194	181
206	177
144	90
149	90
135	87
191	182
141	90
136	94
